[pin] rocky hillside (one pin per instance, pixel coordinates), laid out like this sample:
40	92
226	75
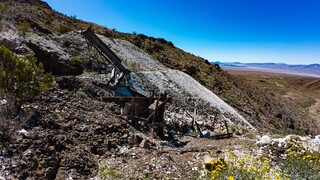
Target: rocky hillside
149	75
58	54
33	27
263	109
69	132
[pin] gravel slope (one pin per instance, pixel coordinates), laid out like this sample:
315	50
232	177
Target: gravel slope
150	75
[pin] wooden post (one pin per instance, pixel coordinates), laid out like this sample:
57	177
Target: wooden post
215	120
226	124
155	111
133	105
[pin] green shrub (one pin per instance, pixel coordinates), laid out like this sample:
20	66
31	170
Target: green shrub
81	94
22	77
64	29
49	19
76	61
106	172
4	7
195	133
48	81
301	163
24	26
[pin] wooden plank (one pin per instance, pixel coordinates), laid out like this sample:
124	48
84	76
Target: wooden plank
162	104
222	136
226	124
192	149
103	48
155	111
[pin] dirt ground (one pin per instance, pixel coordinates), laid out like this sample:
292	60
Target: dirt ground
170	163
68	132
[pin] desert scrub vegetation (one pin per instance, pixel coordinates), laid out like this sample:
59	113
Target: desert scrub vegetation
23	78
64	29
246	167
82	94
23	26
76	61
299	161
20	80
106	172
49	19
4	6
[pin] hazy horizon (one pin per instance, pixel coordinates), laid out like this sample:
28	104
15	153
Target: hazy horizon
228	31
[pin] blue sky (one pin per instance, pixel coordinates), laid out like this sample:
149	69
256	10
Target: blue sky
219	30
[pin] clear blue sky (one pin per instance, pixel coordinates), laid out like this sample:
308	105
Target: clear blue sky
219	30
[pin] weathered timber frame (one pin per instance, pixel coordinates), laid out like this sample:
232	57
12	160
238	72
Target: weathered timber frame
119	71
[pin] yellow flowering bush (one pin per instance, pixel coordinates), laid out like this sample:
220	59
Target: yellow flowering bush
246	167
301	163
297	162
215	166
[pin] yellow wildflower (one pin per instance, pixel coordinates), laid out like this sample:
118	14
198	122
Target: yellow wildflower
267	177
307	156
292	143
229	154
277	176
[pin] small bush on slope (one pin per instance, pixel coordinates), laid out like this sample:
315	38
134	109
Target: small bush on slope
22	78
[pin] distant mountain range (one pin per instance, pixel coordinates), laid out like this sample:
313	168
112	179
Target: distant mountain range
309	69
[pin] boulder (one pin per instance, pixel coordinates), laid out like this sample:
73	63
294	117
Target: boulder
14	41
53	58
264	140
48	52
